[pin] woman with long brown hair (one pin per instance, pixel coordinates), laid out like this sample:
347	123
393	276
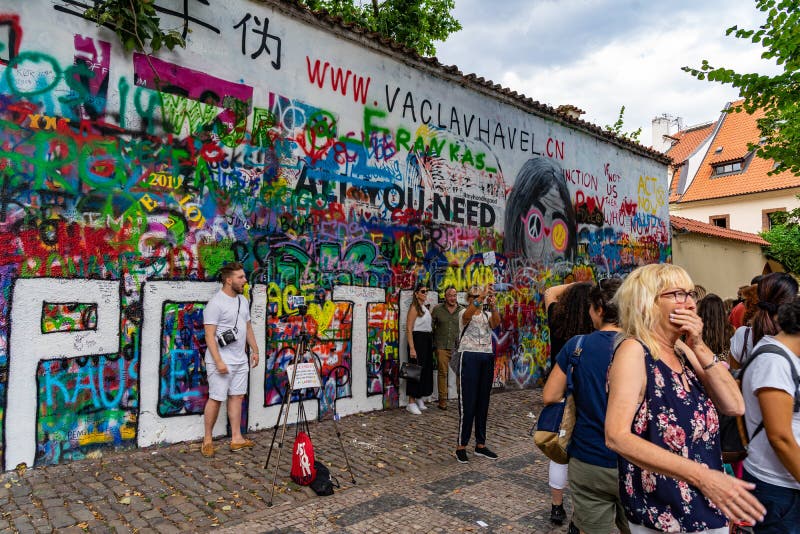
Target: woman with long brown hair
762	302
568	315
717	330
419	334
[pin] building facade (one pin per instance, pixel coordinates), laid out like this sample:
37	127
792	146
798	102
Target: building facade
717	179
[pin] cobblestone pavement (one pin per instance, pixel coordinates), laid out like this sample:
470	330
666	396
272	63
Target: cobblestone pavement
407	480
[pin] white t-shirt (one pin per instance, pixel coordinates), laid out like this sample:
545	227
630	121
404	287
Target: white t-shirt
221	311
738	347
768	371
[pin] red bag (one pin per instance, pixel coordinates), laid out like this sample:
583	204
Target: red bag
303	470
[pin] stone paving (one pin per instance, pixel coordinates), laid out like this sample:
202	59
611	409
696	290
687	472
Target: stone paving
407	480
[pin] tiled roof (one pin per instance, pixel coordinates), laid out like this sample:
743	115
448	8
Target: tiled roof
673	183
688	140
696	227
686	143
733	135
323	19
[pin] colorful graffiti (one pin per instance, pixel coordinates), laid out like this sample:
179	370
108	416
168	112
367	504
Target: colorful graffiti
183	388
127	182
68	317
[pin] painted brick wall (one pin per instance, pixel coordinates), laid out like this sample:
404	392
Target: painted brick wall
329	167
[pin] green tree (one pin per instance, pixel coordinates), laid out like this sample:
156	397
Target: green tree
776	95
616	128
784	239
136	23
415	23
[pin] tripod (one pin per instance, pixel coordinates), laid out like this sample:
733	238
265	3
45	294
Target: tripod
302	348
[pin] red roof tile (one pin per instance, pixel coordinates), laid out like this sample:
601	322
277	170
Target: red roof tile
688	141
736	130
697	227
673	183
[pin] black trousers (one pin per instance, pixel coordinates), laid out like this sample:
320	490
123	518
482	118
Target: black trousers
477	373
423	343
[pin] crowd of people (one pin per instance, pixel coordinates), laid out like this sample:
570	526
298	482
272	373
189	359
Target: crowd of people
653	379
657	365
653	362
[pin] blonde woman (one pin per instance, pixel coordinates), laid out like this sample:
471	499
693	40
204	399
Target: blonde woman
662	419
419	333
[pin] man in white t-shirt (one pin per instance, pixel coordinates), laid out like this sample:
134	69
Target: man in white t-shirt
228	331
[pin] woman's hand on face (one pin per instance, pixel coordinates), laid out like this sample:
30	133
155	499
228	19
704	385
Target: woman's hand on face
690	324
732	496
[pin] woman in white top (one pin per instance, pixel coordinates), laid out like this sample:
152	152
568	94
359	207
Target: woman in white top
742	339
770	389
476	370
419	333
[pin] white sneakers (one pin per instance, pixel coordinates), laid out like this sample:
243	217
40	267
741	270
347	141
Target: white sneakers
416	407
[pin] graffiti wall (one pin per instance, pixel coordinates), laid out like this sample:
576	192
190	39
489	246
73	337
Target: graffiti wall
330	165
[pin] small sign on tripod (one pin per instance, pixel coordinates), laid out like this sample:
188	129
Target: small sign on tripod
307	376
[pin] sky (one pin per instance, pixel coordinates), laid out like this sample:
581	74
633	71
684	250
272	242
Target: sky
599	55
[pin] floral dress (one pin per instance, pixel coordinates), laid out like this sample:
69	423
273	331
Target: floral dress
682	421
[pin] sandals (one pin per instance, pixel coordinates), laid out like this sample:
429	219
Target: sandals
246	444
207	450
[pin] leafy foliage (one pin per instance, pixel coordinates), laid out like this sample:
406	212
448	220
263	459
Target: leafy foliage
784	239
776	95
135	22
414	23
616	128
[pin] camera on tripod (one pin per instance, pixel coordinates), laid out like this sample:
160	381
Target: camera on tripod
227	337
298	302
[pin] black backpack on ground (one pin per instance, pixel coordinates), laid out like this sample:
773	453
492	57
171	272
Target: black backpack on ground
732	428
323	484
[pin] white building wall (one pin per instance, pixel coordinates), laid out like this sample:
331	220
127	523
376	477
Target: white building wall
745	211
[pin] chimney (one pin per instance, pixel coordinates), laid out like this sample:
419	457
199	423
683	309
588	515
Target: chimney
662	131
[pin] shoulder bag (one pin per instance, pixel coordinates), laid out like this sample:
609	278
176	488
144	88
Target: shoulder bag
556	421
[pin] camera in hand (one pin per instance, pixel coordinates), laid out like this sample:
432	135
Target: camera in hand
227	337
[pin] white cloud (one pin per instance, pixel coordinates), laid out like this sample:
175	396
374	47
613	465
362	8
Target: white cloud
602	54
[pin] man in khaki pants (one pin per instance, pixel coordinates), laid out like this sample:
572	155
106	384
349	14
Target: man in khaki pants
445	338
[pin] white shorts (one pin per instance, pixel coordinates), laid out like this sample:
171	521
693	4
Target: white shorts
234	382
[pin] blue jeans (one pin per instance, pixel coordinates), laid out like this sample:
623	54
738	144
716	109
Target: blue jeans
782	504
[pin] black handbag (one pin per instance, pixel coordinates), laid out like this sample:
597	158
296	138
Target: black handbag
411	371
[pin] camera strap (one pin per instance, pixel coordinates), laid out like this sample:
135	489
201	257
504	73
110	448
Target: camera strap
238	306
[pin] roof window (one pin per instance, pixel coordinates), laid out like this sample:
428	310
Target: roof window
718	150
730	167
